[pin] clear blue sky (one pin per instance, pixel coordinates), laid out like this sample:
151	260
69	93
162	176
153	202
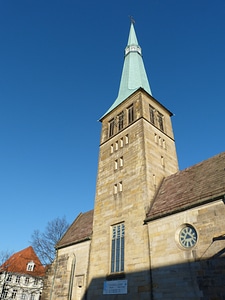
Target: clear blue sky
60	68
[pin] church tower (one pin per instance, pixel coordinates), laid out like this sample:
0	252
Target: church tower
137	150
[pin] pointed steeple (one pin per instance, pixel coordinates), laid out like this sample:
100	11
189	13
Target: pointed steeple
133	75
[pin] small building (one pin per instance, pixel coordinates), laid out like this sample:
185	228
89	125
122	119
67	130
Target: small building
21	276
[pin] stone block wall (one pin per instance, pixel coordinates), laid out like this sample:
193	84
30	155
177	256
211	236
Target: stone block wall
66	277
195	273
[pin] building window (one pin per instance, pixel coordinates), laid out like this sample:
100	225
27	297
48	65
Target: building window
156	118
160	121
120	186
17	279
121	161
130	113
118	162
116	145
117	250
14	294
126	139
36	281
115	189
5	292
111	127
32	297
152	114
26	280
9	278
121	142
30	266
160	141
111	148
154	179
23	296
120	121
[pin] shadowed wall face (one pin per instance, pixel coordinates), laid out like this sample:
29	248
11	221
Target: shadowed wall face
181	272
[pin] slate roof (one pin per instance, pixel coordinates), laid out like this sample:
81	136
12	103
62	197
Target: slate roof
80	230
17	263
201	183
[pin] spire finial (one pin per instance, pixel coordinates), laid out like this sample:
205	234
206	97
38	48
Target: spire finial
132	20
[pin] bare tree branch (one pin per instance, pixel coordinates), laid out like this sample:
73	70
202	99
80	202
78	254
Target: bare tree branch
4	255
44	242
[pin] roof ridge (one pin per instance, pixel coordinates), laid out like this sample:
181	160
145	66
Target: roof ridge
80	229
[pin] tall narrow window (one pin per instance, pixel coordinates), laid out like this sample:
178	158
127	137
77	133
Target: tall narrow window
116	164
130	112
120	121
152	114
72	276
126	139
117	251
115	189
121	161
32	297
154	179
160	121
111	127
4	293
121	142
160	141
120	186
13	296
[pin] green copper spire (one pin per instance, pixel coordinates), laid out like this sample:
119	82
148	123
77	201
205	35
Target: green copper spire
133	74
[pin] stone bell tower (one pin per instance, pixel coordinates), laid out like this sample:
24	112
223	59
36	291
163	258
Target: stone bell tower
137	150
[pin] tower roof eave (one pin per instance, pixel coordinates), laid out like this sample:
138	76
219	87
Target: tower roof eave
138	89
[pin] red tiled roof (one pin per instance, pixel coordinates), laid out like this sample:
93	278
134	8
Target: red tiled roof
80	230
193	186
17	263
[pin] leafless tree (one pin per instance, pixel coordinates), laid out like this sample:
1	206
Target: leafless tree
4	255
44	242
